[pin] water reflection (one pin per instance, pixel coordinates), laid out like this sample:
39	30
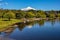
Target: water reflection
21	26
9	31
4	34
41	22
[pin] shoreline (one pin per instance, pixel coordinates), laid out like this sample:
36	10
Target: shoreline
37	19
4	24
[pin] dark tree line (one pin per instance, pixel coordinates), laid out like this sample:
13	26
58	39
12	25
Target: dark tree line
17	14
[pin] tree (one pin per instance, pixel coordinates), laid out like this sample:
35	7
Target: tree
40	14
41	22
29	15
58	15
51	14
9	15
1	13
20	14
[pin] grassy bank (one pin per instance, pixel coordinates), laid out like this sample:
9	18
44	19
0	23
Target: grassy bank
4	24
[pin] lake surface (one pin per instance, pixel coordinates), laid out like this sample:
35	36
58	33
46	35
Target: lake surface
36	30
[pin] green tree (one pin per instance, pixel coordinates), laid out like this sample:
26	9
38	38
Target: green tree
1	13
52	14
29	15
40	14
41	22
20	14
9	15
58	15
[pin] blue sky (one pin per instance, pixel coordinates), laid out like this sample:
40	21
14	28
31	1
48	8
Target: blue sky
37	4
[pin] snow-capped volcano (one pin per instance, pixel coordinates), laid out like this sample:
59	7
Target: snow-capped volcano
28	8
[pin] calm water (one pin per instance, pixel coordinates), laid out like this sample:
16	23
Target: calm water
37	30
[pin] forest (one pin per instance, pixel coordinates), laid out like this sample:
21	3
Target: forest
18	14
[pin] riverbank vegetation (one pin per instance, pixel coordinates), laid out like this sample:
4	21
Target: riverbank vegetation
18	14
8	17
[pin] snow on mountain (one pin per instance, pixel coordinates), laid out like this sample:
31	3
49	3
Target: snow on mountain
28	8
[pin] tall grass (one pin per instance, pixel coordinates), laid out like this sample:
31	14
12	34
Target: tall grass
7	23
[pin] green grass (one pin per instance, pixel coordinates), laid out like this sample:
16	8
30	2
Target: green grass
4	24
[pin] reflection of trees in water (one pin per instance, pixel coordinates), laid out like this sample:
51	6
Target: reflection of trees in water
59	20
41	22
52	21
21	26
30	23
9	31
0	32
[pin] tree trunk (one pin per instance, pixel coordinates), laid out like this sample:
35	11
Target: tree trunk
9	18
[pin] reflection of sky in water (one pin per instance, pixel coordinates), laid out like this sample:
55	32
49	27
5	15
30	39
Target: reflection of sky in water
49	30
30	26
